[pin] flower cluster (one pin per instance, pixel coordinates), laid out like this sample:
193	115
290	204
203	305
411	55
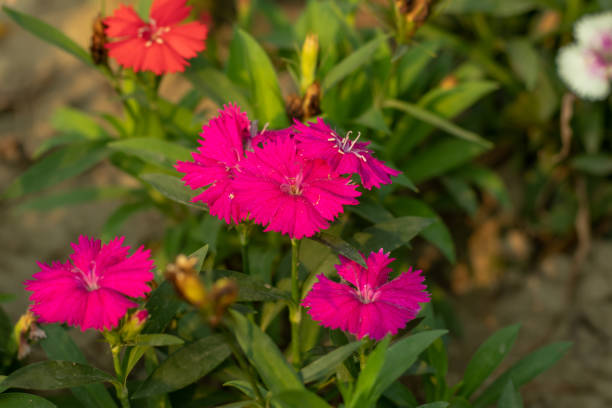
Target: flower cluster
91	289
365	304
290	180
586	66
162	45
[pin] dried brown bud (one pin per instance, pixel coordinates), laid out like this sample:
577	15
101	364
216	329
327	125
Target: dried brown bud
186	282
224	293
311	106
98	50
27	331
294	107
414	13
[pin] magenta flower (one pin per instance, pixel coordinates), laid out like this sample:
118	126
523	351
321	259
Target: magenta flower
289	193
366	304
91	289
217	161
346	156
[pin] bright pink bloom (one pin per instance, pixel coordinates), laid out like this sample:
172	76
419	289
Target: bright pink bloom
367	304
90	290
162	44
217	162
346	156
289	193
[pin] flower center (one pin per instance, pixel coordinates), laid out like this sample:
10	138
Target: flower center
367	294
89	278
293	185
346	145
152	33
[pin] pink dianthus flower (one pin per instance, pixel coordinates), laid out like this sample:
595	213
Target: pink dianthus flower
288	192
346	156
90	290
366	304
162	44
217	162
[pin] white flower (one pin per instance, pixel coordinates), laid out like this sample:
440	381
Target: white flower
586	66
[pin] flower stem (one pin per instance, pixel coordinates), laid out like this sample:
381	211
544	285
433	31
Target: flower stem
295	313
120	387
243	232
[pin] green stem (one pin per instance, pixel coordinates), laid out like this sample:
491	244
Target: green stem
295	313
362	355
120	387
243	232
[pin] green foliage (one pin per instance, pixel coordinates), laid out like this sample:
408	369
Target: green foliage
21	400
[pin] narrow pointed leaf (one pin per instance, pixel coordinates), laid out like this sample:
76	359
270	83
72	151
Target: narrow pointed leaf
53	375
323	366
173	188
23	400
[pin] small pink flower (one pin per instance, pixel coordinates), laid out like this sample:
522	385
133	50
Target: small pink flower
289	193
162	45
91	290
346	156
366	304
218	161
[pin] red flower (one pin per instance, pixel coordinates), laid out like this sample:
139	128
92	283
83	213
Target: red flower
162	44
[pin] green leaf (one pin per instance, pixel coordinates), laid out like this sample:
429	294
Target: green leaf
487	180
300	398
23	400
486	359
364	394
264	355
400	395
152	150
185	366
56	167
173	188
74	197
460	402
251	289
510	397
438	404
499	8
143	9
323	366
53	375
250	67
216	85
374	119
391	234
69	120
401	355
462	194
437	233
595	164
413	62
162	306
350	64
339	246
156	340
440	157
49	34
58	345
523	371
371	210
200	255
524	60
437	121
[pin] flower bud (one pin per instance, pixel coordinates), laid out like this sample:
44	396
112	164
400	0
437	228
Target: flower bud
26	331
134	324
311	105
308	61
413	14
186	282
97	48
224	293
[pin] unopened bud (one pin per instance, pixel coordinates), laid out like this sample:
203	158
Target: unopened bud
414	13
186	282
449	82
308	61
134	324
294	107
223	294
26	331
97	48
548	23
